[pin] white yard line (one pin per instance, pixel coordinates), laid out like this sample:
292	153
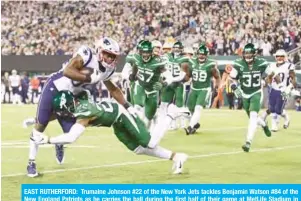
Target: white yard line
154	161
49	146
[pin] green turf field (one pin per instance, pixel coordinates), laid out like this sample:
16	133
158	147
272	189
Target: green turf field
98	157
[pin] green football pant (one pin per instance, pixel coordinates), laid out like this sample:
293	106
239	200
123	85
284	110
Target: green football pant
132	88
131	131
148	100
170	92
198	97
252	103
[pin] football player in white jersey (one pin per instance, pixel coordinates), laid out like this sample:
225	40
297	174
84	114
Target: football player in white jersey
15	86
101	63
284	80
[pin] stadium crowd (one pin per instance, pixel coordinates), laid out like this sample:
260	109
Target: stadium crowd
57	28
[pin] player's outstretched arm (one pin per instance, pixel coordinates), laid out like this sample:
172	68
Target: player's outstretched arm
75	132
72	70
115	92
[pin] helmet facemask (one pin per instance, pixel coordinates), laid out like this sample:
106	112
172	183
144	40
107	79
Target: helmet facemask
108	59
249	57
202	57
280	59
146	55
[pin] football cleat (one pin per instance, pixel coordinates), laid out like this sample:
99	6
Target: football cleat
29	122
267	131
178	164
286	124
32	169
246	147
59	153
274	128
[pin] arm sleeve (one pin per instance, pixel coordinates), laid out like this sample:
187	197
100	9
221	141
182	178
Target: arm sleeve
75	131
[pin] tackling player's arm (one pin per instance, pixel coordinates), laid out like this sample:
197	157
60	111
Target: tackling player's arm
216	75
116	93
75	132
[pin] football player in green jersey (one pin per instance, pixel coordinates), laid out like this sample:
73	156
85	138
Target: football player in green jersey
248	71
178	66
201	71
129	129
147	69
127	70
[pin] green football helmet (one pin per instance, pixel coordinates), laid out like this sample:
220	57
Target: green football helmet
64	104
202	53
139	45
146	50
249	53
177	48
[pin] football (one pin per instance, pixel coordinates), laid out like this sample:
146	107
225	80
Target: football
87	71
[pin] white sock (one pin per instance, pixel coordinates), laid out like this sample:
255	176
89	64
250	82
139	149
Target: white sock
140	110
264	115
33	147
163	108
159	130
274	120
252	126
196	116
158	152
261	122
285	116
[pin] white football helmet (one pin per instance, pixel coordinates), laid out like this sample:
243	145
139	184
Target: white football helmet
157	45
188	50
280	56
109	47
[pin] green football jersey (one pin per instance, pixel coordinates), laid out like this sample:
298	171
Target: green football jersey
249	78
131	58
201	73
148	72
174	64
105	112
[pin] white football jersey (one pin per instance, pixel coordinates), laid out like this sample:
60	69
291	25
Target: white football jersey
14	80
90	61
283	72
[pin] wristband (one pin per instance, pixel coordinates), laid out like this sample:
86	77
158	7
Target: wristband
127	105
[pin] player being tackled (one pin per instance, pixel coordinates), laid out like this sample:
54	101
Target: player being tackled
248	71
128	128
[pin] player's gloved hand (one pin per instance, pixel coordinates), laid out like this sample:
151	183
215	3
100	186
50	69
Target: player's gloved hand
132	77
40	138
20	88
158	86
237	91
95	76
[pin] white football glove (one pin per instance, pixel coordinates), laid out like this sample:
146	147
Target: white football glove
40	139
95	76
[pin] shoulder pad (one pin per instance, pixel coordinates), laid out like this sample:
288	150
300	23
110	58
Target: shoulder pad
86	53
